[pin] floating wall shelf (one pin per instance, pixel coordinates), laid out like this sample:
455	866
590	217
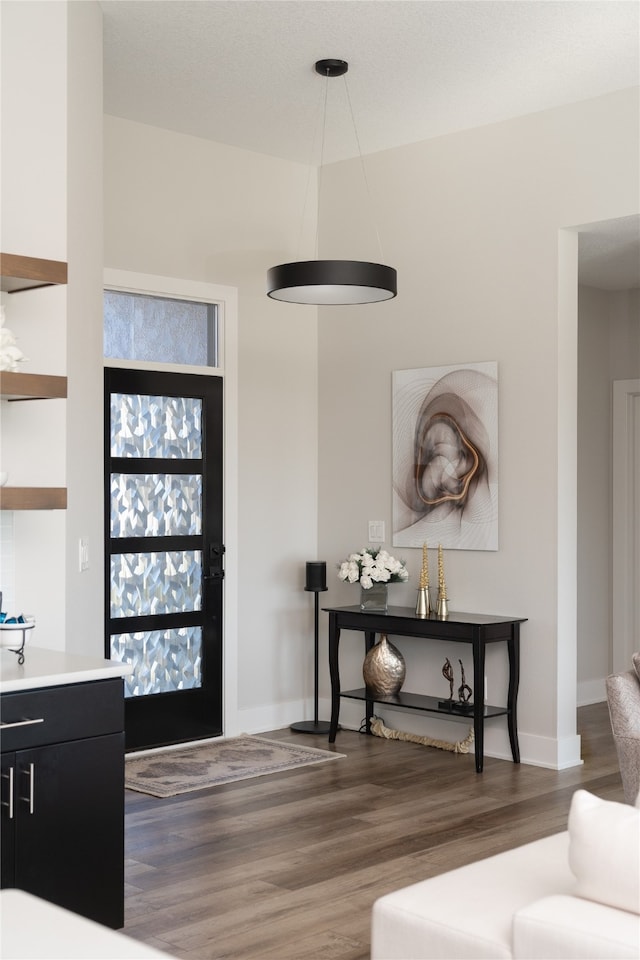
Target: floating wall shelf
32	386
18	274
33	498
26	273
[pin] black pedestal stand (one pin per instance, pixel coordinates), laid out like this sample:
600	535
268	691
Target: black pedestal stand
316	583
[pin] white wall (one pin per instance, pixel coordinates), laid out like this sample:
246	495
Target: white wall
84	591
609	349
624	317
52	208
594	494
472	223
34	223
183	207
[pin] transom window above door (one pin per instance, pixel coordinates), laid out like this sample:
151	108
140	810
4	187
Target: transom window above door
160	329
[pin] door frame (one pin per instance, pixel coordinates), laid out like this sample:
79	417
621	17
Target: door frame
226	298
625	522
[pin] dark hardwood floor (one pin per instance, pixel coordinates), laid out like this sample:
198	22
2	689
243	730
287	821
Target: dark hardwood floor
287	867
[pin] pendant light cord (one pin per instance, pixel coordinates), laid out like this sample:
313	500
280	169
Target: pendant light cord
324	129
310	167
364	169
360	157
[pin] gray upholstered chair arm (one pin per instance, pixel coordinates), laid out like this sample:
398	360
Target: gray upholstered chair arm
623	697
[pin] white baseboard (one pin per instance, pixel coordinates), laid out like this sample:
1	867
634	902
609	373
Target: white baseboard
591	691
535	751
554	754
275	716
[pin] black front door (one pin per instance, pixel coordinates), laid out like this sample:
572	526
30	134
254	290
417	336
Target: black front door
164	551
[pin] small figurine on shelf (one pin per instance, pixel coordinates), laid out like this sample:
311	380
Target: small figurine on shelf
423	604
464	690
443	606
447	673
462	704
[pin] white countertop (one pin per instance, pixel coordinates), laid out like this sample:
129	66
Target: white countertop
53	668
33	929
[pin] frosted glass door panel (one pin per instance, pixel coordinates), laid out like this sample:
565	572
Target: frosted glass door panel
159	427
156	505
147	584
166	660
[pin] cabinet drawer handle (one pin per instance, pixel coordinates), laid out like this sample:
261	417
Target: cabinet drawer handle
9	803
20	723
30	772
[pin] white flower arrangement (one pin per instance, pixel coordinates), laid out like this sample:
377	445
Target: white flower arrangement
372	565
10	354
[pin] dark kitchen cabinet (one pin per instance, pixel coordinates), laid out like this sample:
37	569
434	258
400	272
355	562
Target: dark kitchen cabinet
63	796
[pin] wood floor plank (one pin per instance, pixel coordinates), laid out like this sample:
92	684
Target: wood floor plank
288	866
326	945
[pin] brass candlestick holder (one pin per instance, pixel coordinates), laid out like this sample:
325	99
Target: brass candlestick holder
442	610
423	603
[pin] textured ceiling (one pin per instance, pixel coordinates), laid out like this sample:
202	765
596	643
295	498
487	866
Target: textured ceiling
241	71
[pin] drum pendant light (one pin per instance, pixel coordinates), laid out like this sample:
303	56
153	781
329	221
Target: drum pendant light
332	282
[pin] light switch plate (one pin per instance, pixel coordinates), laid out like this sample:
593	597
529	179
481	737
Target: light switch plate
83	554
376	531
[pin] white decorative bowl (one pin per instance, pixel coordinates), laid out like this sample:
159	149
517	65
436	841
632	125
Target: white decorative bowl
11	634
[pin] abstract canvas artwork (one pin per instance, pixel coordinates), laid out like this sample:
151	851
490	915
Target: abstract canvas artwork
445	457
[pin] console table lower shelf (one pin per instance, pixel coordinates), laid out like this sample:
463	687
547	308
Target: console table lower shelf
418	701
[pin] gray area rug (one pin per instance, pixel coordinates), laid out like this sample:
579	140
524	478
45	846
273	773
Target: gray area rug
167	773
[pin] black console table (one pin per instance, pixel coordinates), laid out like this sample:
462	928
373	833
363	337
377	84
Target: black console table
475	629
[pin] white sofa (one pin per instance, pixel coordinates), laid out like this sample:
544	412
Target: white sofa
33	929
572	895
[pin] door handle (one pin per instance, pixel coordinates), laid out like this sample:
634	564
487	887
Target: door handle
9	803
31	774
216	569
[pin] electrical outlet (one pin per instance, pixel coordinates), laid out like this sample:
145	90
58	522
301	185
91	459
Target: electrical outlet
376	531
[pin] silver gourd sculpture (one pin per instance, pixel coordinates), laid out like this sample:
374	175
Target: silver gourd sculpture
384	668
